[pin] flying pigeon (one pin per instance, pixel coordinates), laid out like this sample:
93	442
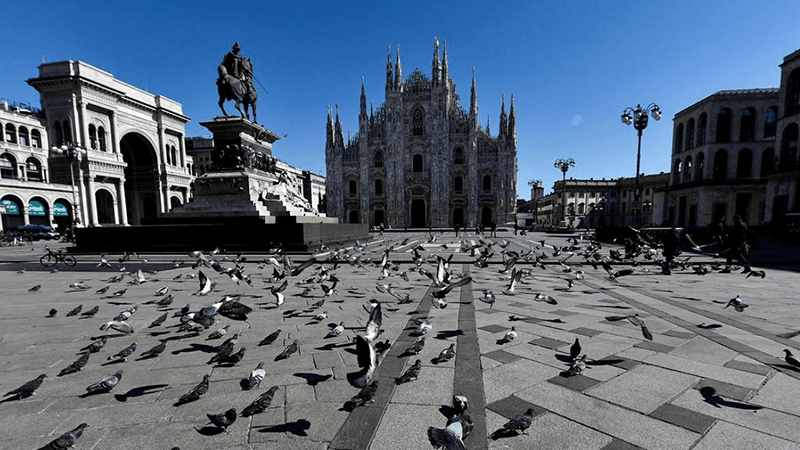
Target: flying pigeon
367	362
448	438
75	366
162	291
261	403
104	262
373	326
516	275
288	351
205	284
540	297
737	303
488	297
363	397
68	439
196	391
576	368
270	338
155	351
277	292
28	388
106	384
636	320
411	374
256	376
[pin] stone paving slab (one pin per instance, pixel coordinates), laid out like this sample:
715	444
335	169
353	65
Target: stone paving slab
724	436
643	388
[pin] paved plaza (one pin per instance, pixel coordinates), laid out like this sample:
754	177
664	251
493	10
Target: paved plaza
711	377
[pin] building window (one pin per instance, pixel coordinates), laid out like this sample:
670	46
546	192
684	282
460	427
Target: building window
581	208
793	93
771	123
378	159
353	187
23	136
11	134
724	125
720	165
33	170
571	195
8	166
767	162
378	187
581	194
744	164
93	137
701	129
36	139
679	138
417	122
789	146
690	134
459	184
676	171
416	163
747	125
458	158
487	183
687	169
698	166
101	138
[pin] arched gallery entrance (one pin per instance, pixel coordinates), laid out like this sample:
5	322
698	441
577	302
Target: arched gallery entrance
141	178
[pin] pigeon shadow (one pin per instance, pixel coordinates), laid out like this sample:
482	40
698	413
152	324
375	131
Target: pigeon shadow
604	362
503	433
785	367
92	393
333	345
118	303
709	326
209	430
297	428
244	383
613	306
158	333
194	347
110	363
710	397
312	378
139	391
563	358
447	334
16	397
447	411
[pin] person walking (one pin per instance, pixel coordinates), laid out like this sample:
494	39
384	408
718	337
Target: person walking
672	243
739	245
494	228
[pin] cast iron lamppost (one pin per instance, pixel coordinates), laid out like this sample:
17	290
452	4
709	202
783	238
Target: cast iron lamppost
564	165
639	121
73	153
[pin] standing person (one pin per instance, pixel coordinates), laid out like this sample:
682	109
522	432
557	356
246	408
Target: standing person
457	227
494	228
672	243
738	241
720	236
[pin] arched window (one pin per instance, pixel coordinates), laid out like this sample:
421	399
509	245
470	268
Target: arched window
8	166
724	125
679	138
33	170
416	163
702	124
417	122
720	165
487	182
378	158
458	184
676	172
770	123
789	146
378	187
690	134
458	157
687	169
36	139
174	155
767	162
581	208
58	134
101	138
353	187
747	126
744	163
23	136
93	137
793	93
11	134
699	165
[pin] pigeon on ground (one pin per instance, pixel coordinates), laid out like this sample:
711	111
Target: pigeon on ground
196	391
123	354
95	346
509	336
122	327
39	286
756	273
416	347
488	297
158	321
261	403
367	362
67	440
120	292
225	350
575	350
540	297
321	316
411	374
520	423
127	314
447	438
91	312
79	285
235	358
162	291
335	331
791	359
636	320
103	289
75	366
737	303
446	354
223	420
270	338
28	388
288	351
106	384
219	333
363	397
576	368
53	312
256	376
75	311
155	351
382	347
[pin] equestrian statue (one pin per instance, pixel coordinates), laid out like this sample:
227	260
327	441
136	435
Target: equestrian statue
235	83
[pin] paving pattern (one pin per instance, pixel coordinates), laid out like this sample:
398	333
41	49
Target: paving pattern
711	378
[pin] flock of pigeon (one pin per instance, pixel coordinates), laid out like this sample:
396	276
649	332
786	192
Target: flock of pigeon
515	266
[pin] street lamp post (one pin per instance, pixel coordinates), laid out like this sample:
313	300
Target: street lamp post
564	165
639	121
73	153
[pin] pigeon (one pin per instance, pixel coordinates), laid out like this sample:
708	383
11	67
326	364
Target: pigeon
636	320
575	350
520	423
225	350
423	326
576	368
737	303
103	289
166	301
196	391
39	286
122	327
448	438
270	338
373	326
219	333
91	312
75	366
67	440
158	321
288	351
363	397
756	273
120	292
261	403
416	347
367	362
75	311
53	312
321	316
104	262
123	354
95	346
28	388
155	351
446	354
205	284
335	331
277	292
80	285
790	358
411	374
223	420
381	348
539	297
516	275
256	376
510	336
488	297
125	315
106	384
235	358
162	291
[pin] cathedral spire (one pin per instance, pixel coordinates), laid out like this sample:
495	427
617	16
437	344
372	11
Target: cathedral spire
337	130
329	129
398	71
512	119
445	74
363	101
436	66
473	99
503	119
389	74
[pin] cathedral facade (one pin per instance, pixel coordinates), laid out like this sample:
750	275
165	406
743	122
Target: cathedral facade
421	159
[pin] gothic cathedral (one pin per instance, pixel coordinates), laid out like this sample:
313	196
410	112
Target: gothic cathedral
421	160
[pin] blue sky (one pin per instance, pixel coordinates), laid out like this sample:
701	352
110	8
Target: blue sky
573	66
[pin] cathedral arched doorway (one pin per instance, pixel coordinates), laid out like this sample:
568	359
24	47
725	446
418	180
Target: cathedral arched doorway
353	217
486	216
378	218
458	217
105	206
141	177
418	219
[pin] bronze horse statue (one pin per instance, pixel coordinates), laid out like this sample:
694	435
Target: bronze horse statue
242	92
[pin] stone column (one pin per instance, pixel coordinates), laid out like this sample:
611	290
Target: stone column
84	126
92	201
113	134
122	203
116	211
26	209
